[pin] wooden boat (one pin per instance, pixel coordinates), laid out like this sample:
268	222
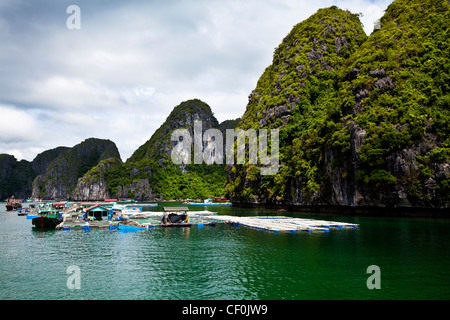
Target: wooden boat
47	219
13	204
49	216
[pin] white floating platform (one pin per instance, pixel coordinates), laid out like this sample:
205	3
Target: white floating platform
285	224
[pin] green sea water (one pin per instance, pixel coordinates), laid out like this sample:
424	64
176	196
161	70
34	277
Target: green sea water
227	262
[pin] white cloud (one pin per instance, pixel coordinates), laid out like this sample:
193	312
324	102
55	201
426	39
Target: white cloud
67	93
17	126
19	133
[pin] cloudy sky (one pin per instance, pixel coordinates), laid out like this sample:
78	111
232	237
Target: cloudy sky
130	63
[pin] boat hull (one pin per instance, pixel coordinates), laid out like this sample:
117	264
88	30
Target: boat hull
11	207
45	222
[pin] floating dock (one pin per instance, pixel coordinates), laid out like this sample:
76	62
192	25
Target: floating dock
209	204
154	214
82	225
135	220
285	224
201	219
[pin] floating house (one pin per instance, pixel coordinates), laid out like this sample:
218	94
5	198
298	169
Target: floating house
98	212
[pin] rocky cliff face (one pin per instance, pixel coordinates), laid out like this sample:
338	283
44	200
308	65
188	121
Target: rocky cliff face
151	174
364	122
138	189
99	182
16	177
183	116
61	177
43	160
307	56
94	185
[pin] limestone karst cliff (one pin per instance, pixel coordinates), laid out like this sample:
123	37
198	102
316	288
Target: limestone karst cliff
364	121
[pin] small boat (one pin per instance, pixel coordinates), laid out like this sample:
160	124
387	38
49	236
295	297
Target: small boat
47	219
49	216
30	210
32	216
13	204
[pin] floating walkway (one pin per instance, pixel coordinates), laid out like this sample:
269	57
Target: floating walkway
153	214
82	225
285	224
149	223
209	203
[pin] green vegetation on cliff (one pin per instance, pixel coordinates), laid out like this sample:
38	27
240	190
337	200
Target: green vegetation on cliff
151	171
404	80
60	179
303	67
294	95
182	116
363	121
16	177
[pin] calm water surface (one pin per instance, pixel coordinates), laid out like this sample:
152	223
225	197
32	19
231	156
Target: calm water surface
226	262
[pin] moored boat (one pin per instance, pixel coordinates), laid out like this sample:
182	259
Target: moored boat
13	204
47	219
49	216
